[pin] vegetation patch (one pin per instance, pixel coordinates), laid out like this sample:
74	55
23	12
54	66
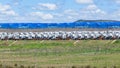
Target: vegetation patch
60	54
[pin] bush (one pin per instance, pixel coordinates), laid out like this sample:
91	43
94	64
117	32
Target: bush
74	67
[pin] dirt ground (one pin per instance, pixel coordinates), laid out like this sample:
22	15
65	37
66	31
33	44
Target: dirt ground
53	29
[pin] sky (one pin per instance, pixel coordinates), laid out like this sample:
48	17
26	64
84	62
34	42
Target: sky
53	11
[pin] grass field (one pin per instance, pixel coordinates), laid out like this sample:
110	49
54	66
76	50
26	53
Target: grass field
60	54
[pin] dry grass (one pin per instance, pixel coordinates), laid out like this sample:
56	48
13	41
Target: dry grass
60	54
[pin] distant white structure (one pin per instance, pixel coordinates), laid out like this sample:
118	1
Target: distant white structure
60	35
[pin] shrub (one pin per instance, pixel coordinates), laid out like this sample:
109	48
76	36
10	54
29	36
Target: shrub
15	65
74	67
22	66
94	67
104	67
0	65
114	67
88	66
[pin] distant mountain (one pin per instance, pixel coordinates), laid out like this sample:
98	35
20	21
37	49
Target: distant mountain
96	21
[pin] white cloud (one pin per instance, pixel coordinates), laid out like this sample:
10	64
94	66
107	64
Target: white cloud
115	15
7	10
92	9
70	15
46	6
58	14
71	12
117	1
84	1
89	12
44	16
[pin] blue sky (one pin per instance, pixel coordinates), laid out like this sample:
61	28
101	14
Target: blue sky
58	10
